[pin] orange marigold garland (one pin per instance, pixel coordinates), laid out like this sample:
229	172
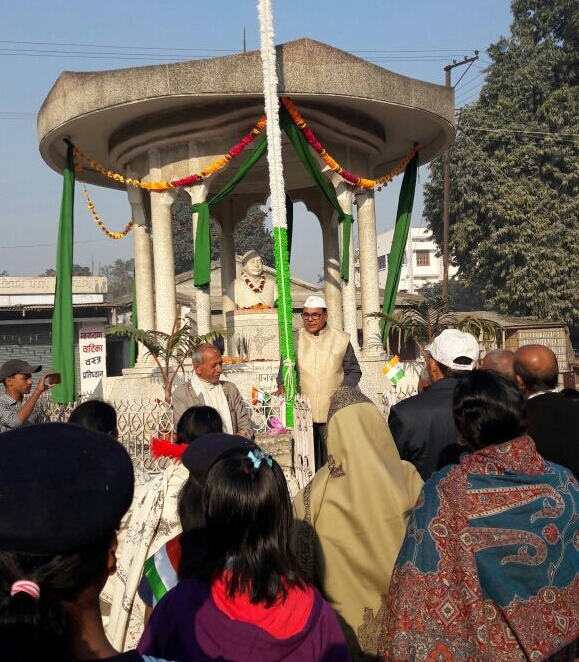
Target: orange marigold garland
187	181
334	165
222	161
97	220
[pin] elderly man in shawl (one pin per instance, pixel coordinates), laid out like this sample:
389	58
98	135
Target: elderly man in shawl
207	388
352	516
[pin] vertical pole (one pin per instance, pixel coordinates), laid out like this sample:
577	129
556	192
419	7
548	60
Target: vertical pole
445	206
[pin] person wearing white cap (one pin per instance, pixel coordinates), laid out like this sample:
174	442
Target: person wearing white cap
325	360
253	289
423	425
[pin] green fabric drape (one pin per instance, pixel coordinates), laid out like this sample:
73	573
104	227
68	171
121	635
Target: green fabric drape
396	257
202	248
302	149
63	315
134	325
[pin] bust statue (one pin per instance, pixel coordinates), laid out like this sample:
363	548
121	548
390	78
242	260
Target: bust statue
253	289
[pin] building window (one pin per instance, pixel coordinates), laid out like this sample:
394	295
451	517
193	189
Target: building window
422	258
381	262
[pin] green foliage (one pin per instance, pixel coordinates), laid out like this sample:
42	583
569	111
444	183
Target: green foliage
3	273
423	321
514	206
461	297
249	234
77	270
119	276
168	350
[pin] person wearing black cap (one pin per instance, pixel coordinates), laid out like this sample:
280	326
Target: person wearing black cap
16	375
64	491
180	555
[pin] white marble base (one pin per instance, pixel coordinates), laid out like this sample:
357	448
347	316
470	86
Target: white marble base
253	334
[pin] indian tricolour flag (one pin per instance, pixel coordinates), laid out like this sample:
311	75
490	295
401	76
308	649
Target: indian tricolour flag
393	370
162	568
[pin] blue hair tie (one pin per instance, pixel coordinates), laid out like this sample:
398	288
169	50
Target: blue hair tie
257	457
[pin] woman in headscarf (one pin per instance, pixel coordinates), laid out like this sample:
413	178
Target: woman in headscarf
489	568
352	516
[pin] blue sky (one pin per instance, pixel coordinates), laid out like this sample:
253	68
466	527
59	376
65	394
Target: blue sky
39	40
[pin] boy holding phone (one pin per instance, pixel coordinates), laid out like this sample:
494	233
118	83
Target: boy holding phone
16	375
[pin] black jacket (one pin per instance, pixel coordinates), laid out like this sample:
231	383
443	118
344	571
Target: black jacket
423	428
553	423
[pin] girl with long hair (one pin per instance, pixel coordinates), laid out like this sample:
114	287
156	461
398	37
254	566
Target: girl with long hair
249	599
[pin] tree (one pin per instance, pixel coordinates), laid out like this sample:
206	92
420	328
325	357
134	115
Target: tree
515	170
461	297
3	273
423	321
119	276
250	233
77	270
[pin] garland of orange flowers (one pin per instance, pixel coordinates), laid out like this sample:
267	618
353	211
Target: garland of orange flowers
187	181
97	220
334	165
222	161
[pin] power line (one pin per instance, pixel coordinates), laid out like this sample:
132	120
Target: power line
147	48
449	51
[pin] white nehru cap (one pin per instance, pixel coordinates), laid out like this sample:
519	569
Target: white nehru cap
315	302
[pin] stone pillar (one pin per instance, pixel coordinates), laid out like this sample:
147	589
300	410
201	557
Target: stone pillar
228	266
372	345
345	198
332	281
143	259
198	194
165	296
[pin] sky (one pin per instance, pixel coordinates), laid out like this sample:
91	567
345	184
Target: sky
39	40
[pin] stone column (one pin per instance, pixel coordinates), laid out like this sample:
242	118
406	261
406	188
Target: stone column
372	345
332	284
228	272
143	259
345	198
198	194
165	296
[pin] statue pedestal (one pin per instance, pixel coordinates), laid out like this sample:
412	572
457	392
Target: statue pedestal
252	334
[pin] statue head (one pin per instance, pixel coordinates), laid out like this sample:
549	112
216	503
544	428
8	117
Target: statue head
252	263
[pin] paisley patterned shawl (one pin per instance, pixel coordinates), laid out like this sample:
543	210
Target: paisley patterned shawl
489	567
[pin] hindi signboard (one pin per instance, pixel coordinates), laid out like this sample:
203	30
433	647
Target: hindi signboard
92	351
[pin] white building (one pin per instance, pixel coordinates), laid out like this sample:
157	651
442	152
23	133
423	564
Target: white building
421	264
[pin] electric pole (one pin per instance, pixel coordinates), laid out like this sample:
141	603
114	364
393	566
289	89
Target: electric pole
446	181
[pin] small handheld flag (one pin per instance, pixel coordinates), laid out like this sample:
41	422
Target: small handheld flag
393	370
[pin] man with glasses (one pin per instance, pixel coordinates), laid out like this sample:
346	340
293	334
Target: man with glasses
325	360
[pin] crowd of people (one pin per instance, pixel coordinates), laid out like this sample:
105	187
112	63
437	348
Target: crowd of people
448	532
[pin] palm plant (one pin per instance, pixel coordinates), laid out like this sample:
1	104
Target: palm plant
423	321
168	350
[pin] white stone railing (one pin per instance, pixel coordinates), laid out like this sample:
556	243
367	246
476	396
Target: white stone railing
304	463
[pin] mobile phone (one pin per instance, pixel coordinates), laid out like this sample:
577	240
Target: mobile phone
53	379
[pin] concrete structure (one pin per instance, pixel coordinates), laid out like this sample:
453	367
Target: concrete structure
422	264
167	121
26	307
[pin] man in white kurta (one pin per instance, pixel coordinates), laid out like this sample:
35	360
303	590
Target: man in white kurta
325	360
